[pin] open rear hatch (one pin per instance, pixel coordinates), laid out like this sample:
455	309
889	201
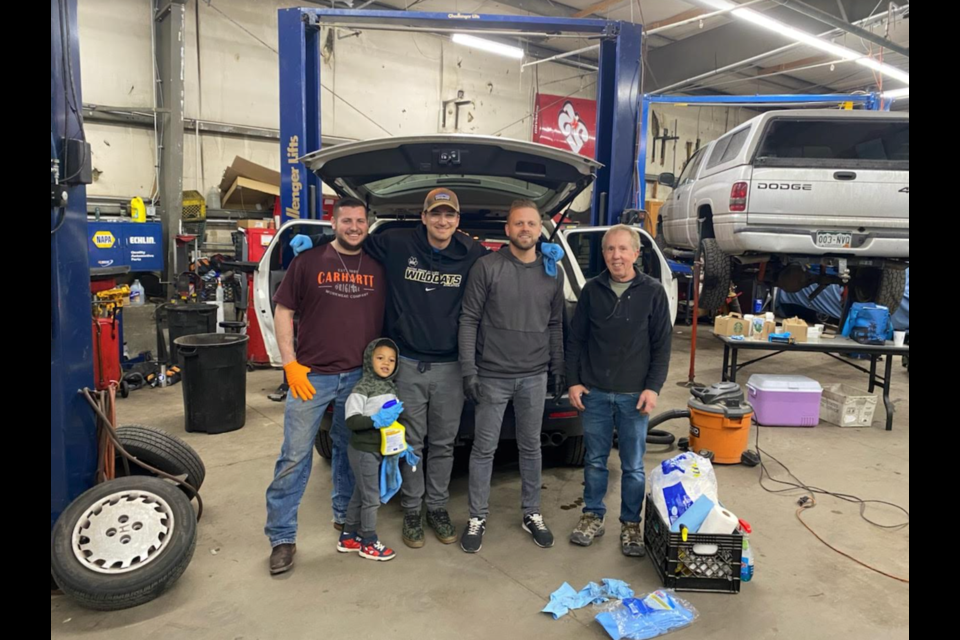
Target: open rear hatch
487	173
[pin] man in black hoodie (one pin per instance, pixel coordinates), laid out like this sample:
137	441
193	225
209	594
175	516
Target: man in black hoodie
618	353
426	270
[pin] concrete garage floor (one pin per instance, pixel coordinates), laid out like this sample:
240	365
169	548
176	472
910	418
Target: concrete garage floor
802	590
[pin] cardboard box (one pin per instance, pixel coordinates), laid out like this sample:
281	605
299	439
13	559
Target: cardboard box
255	223
652	219
846	406
797	328
769	326
731	325
219	237
249	186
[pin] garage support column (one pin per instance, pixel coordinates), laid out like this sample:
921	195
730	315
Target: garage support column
169	27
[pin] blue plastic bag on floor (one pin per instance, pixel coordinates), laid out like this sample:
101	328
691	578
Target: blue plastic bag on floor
656	614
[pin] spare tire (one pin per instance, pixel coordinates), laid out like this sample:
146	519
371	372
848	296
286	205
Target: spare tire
162	450
123	543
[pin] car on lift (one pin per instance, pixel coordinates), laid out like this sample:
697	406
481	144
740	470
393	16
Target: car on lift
393	176
798	197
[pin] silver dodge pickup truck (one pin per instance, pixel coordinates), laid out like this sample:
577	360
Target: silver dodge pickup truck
800	197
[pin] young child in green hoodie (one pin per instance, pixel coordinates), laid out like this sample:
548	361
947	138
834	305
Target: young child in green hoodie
375	389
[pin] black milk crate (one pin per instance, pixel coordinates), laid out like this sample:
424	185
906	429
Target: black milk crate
682	569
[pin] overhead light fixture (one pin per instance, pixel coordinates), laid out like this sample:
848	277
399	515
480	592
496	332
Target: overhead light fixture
749	15
488	45
897	93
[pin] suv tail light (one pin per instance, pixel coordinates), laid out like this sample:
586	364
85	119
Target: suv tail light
738	196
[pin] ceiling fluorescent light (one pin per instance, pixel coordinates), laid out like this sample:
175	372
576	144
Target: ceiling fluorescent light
488	45
897	93
749	15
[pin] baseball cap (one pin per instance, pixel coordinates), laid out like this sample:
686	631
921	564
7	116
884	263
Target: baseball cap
441	198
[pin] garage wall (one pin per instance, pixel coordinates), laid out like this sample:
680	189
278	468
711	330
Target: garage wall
388	82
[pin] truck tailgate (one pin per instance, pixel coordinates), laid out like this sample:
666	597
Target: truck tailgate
829	198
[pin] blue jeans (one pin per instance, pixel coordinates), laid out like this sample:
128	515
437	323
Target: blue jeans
603	411
301	422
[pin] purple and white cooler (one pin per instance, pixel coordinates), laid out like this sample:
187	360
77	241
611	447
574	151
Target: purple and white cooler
785	401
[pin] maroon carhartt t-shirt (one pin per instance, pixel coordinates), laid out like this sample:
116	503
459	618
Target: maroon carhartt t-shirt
340	299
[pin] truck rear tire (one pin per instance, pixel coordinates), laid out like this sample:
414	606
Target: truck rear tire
715	280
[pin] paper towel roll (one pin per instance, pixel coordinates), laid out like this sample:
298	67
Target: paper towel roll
719	520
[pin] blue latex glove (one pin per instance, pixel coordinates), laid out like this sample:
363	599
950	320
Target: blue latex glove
552	253
565	598
617	589
387	415
390	478
561	601
300	243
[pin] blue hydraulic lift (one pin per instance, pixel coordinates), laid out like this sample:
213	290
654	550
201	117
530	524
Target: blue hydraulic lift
870	101
618	94
73	432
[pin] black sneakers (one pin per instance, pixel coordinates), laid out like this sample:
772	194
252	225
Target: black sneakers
472	539
439	521
533	524
413	529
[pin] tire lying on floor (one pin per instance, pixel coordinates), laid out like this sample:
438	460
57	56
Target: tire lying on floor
123	543
162	450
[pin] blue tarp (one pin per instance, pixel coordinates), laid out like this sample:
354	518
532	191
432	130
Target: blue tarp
828	303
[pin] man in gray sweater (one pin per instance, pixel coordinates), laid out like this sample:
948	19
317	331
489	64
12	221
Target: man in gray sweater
511	337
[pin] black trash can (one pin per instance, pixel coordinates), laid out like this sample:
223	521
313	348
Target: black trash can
187	320
214	367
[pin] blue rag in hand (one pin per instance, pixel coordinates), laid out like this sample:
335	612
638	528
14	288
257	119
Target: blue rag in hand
387	415
390	478
565	598
552	253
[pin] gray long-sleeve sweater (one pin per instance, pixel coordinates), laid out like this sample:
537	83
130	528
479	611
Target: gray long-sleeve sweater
511	323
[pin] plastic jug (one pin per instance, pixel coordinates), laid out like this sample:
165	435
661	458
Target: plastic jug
137	294
138	210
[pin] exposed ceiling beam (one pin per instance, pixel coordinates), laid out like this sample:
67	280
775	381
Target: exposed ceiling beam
680	17
542	7
789	66
736	45
597	8
837	23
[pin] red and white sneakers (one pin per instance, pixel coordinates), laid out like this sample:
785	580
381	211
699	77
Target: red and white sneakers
377	551
349	543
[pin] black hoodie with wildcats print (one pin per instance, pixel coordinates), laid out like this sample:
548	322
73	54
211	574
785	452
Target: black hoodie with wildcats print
425	289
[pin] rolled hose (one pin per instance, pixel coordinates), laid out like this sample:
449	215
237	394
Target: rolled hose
657	436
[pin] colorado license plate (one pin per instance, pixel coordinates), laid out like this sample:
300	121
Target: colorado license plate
834	240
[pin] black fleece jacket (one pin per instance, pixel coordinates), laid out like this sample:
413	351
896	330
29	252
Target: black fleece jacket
620	344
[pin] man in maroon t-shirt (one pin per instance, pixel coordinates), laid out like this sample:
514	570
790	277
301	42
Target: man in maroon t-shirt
339	294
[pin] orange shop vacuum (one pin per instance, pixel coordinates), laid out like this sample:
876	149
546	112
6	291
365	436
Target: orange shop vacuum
720	419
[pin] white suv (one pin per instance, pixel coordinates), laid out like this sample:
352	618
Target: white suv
801	197
394	175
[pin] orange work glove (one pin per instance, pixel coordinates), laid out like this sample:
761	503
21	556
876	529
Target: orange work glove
298	382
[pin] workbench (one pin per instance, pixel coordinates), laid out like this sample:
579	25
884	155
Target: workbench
833	347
